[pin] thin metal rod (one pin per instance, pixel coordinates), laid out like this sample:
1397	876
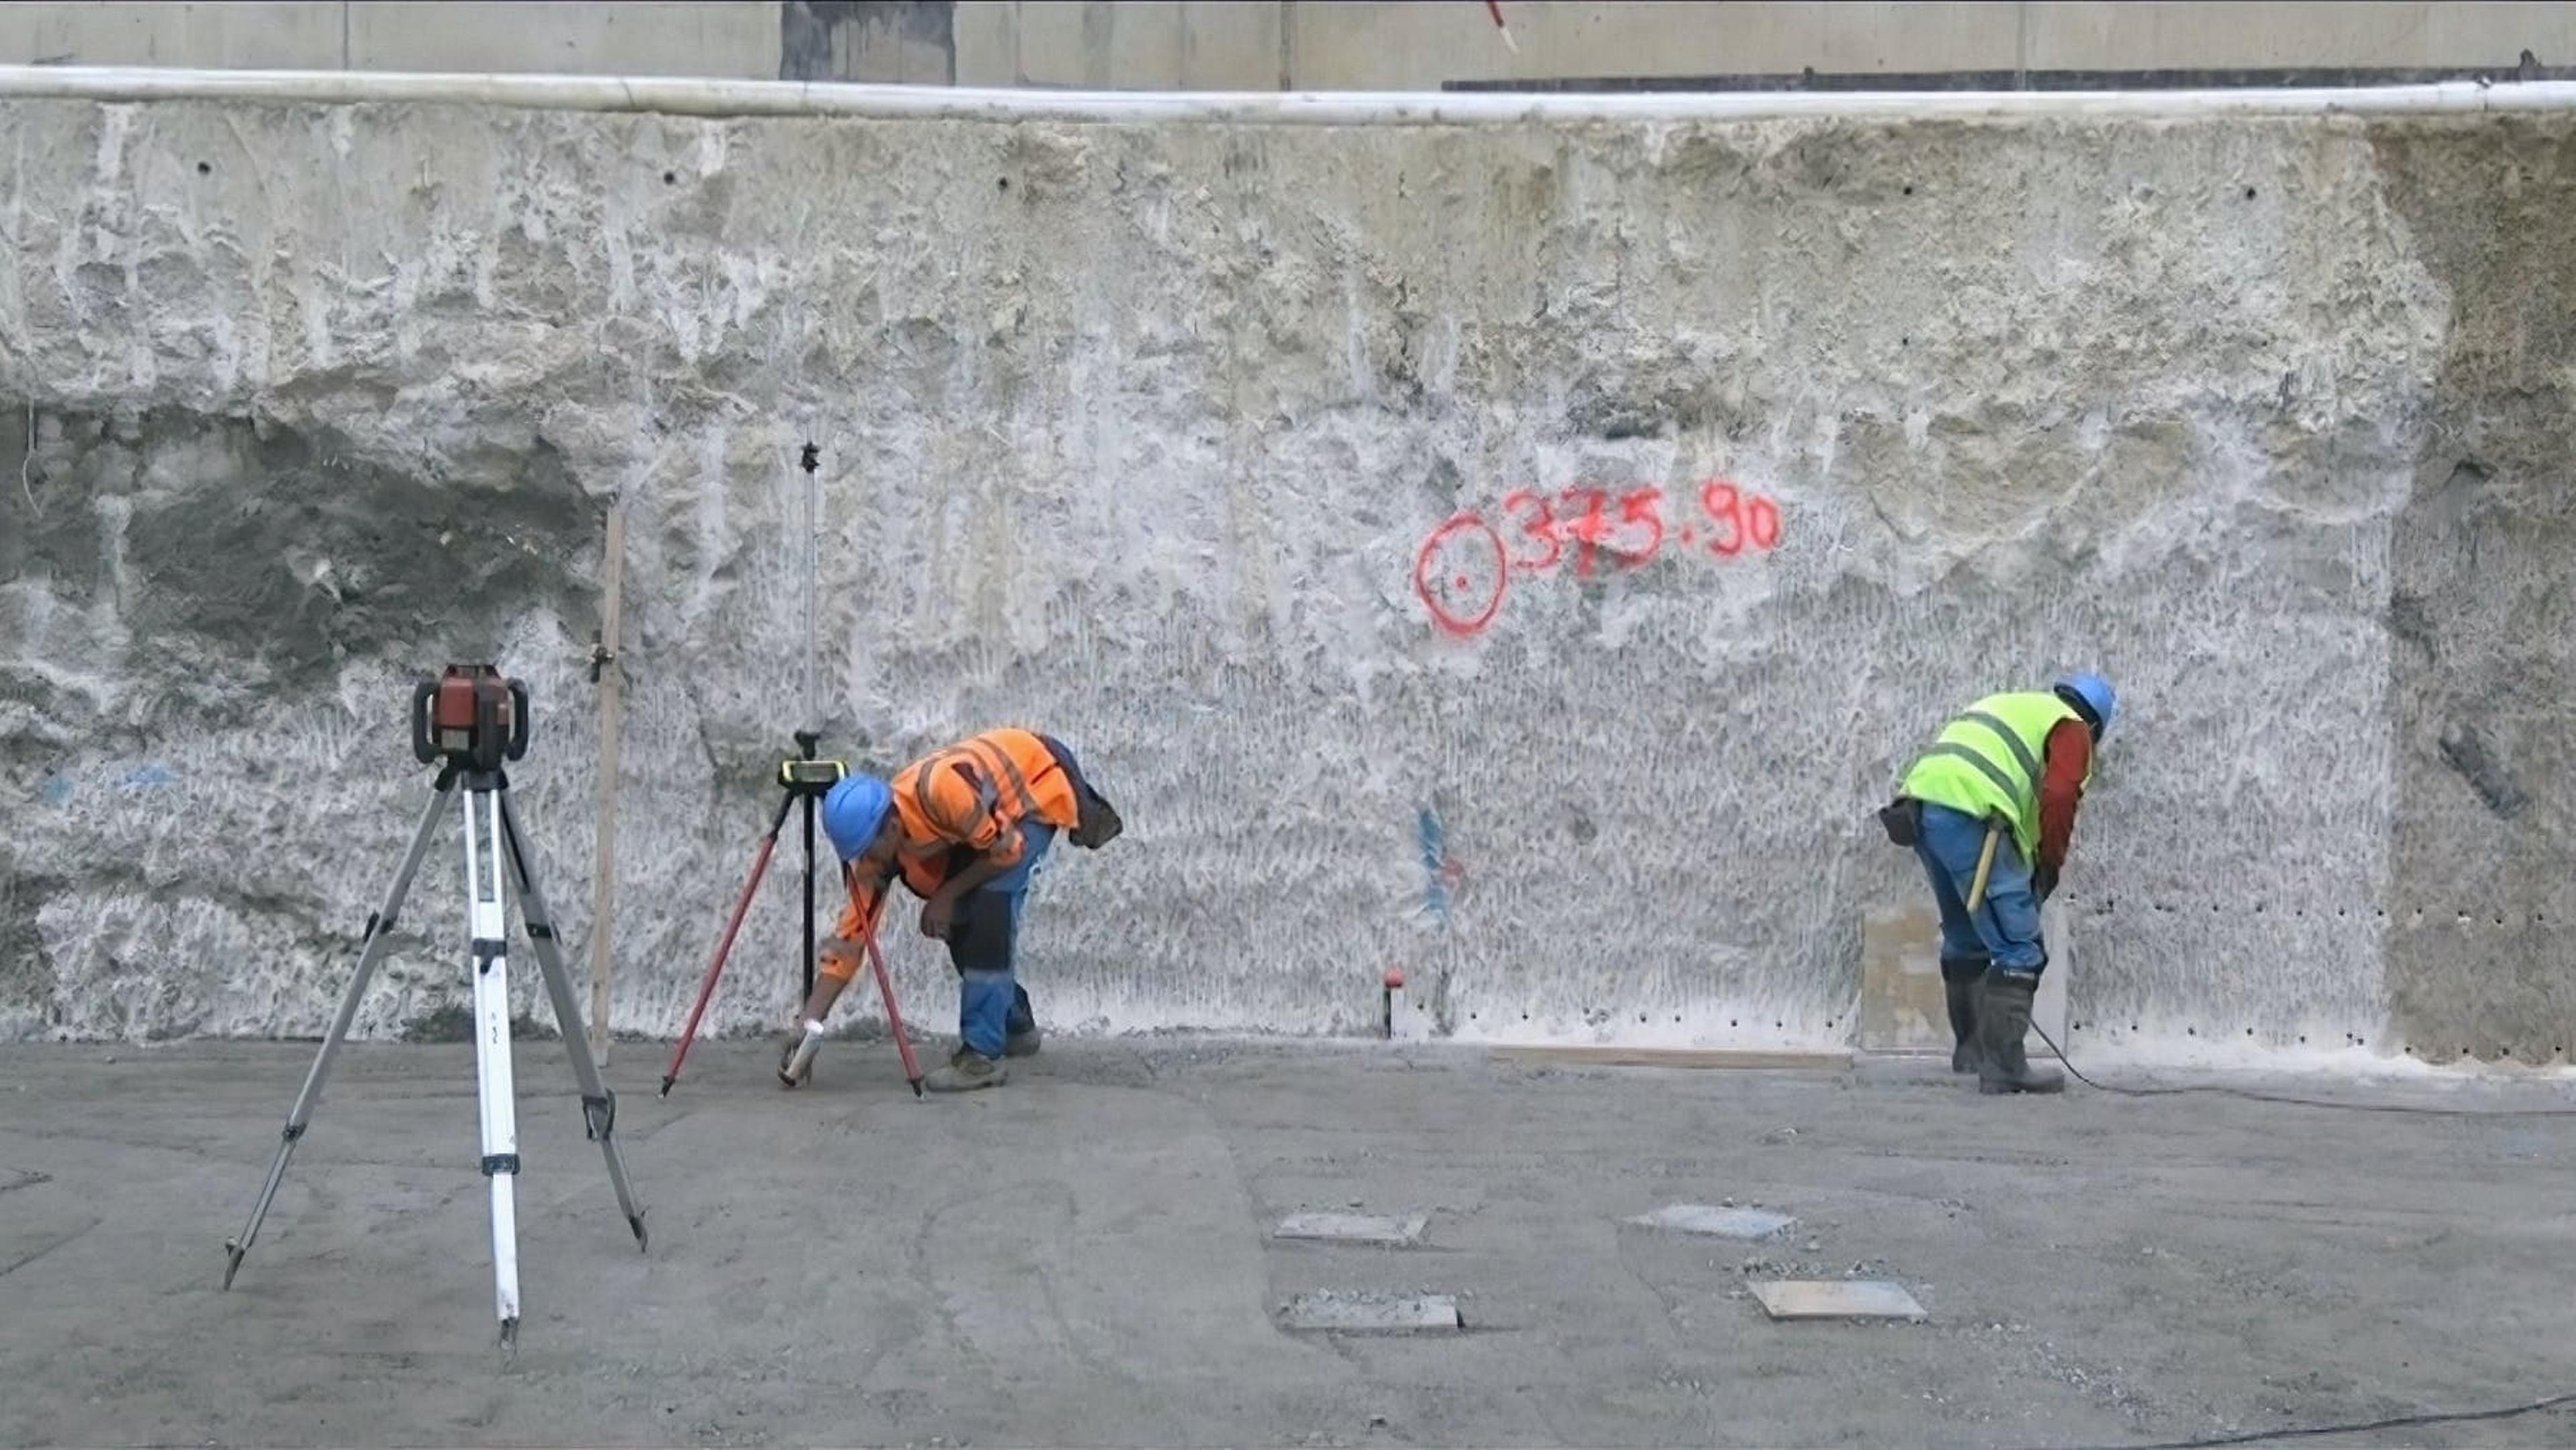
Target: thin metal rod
809	900
379	933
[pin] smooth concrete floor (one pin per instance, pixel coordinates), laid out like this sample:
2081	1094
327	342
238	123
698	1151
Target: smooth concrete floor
1083	1257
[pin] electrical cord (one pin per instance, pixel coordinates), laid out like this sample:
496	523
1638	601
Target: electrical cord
2262	1097
2401	1422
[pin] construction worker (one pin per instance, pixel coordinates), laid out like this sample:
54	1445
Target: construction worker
965	827
2012	767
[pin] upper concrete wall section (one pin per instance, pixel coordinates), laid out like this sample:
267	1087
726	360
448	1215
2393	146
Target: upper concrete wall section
1523	552
1262	45
738	38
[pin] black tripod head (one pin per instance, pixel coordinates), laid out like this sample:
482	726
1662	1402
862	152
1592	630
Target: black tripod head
471	717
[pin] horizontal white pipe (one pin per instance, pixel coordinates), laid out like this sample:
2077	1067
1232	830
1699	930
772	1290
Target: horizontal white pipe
710	97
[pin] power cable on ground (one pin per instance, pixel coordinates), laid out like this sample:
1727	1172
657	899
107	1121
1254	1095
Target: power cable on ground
2251	1095
2401	1422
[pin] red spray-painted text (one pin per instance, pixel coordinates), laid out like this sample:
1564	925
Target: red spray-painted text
1465	565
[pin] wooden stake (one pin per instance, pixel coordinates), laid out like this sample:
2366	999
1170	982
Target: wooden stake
605	858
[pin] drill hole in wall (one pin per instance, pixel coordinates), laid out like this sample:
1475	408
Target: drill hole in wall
670	178
2249	193
205	168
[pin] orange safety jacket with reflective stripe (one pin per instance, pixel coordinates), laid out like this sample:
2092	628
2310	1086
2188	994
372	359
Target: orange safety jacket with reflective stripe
963	802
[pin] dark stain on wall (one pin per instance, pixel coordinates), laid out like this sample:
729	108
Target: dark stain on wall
913	42
2483	599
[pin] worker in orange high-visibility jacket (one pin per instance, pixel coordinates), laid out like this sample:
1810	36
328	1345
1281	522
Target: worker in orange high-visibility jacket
965	827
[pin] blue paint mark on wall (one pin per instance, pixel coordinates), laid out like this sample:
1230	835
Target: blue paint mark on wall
57	790
1436	869
149	777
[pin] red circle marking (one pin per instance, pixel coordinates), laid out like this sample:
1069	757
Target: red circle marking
1690	536
1459	582
1422	576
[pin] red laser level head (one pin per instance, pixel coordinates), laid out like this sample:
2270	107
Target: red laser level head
470	716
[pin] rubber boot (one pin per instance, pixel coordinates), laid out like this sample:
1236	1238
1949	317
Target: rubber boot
2003	1016
1959	984
966	1071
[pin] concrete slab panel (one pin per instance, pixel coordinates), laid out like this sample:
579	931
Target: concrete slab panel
1727	1223
1355	1228
649	37
1836	1299
1901	1000
1335	1312
1902	1004
287	35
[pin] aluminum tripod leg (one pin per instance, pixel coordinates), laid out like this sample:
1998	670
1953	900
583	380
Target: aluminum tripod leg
379	931
598	1104
494	1088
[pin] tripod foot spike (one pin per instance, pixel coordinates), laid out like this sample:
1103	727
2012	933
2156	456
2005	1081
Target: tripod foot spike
916	1087
666	1085
510	1335
232	1261
636	1222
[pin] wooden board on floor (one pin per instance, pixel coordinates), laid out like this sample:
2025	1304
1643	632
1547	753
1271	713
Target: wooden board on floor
1836	1299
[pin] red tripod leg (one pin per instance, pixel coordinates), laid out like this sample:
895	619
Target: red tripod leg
715	968
894	1018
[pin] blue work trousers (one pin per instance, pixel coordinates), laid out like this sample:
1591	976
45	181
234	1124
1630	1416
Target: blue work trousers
2006	926
983	944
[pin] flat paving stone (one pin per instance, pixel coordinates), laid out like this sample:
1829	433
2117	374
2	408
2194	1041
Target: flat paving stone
1356	1313
1355	1228
1725	1223
1836	1299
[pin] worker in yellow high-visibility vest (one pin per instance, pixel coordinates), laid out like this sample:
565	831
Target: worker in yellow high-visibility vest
2016	763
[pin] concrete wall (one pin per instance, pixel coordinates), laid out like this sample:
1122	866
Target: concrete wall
1279	44
1202	444
623	37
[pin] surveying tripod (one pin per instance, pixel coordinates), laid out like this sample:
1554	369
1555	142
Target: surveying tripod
468	722
807	780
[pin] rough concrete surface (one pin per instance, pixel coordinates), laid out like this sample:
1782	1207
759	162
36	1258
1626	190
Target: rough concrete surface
1151	435
1082	1258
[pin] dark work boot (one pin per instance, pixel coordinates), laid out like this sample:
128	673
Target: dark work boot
1024	1036
2003	1016
1959	984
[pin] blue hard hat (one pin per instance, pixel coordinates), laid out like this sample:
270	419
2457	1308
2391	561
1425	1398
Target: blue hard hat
2094	694
854	811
